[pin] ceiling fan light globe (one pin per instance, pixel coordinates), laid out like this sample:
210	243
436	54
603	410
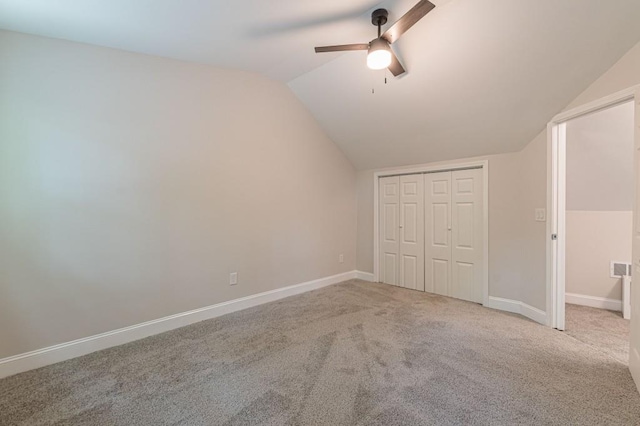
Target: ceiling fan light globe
379	59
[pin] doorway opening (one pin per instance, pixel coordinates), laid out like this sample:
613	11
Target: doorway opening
599	187
556	226
592	185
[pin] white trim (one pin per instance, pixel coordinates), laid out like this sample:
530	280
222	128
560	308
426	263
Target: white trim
503	304
485	232
533	313
376	227
556	195
594	302
597	105
365	276
551	221
426	168
561	225
64	351
634	366
518	307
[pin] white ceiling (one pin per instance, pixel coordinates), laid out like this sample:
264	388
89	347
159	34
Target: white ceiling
484	76
272	37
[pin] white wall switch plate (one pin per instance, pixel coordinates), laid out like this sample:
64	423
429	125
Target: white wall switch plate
233	278
341	258
541	215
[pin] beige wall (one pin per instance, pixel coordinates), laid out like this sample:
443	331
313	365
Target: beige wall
624	74
532	253
594	239
130	186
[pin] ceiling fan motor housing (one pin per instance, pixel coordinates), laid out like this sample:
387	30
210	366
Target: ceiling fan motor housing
379	17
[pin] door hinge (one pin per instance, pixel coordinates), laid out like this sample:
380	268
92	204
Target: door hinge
554	237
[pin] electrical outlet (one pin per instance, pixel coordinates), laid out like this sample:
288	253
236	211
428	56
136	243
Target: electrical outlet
233	278
341	258
541	215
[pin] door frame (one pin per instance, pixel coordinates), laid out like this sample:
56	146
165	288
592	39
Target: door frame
427	168
556	196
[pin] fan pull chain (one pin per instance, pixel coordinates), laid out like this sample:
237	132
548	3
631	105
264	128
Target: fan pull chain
373	89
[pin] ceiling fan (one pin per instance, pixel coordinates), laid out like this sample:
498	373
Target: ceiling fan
379	54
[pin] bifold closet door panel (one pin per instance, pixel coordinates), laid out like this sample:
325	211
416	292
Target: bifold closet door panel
467	235
411	265
437	215
389	199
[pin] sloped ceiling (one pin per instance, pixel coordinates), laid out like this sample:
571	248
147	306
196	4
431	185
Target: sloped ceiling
484	76
600	160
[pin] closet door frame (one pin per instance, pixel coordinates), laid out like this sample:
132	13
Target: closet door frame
431	169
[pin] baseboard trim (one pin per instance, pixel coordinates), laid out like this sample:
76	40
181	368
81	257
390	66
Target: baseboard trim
534	313
502	304
365	276
593	301
64	351
517	307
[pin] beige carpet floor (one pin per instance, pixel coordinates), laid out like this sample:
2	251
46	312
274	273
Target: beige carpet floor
354	353
604	330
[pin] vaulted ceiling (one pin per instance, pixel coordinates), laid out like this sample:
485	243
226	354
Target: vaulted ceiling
484	76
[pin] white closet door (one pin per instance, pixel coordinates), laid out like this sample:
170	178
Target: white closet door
411	232
467	235
437	215
389	199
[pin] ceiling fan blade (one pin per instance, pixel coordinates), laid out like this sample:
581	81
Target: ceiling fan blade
407	21
342	47
396	67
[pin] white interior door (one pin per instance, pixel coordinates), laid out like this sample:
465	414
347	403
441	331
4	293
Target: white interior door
389	200
437	216
467	266
411	232
431	232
